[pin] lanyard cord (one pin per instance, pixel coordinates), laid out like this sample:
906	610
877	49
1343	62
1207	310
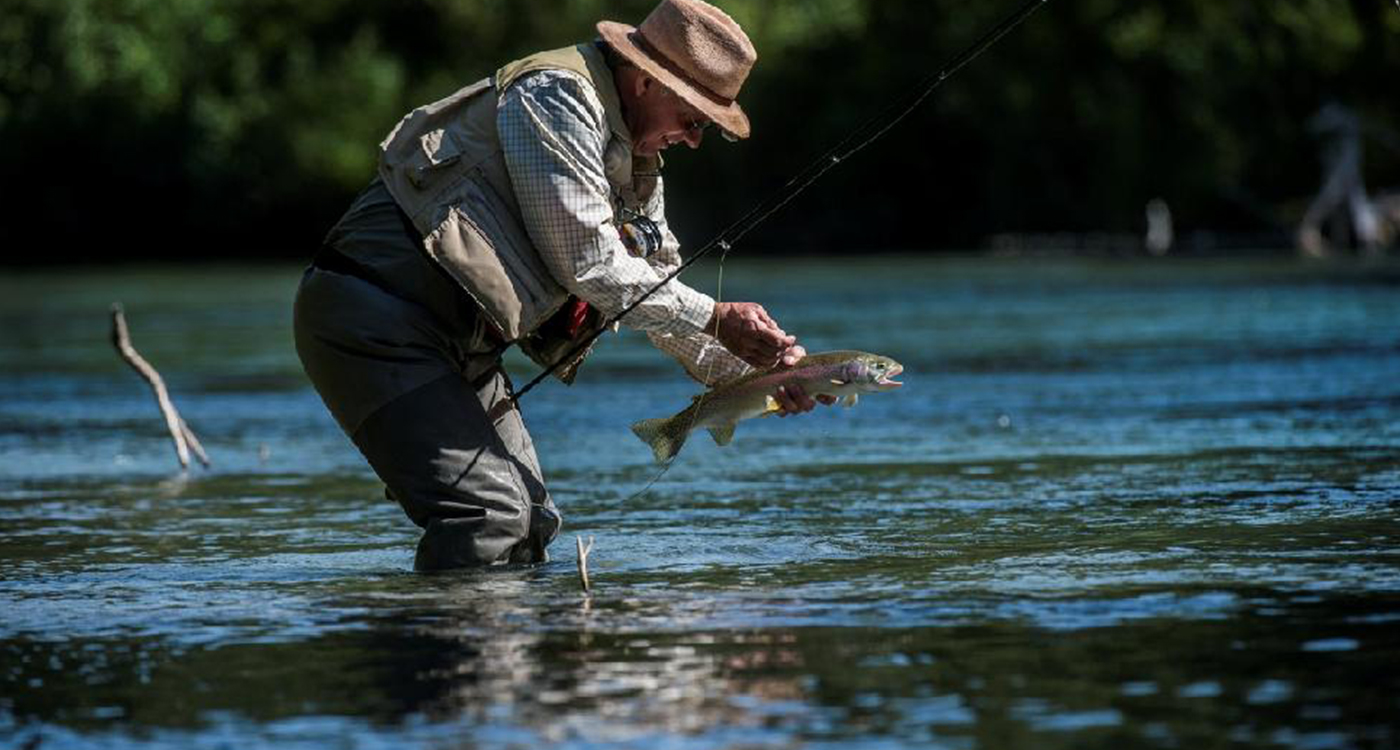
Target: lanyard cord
861	137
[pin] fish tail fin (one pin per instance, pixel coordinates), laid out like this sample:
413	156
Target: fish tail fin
722	434
660	435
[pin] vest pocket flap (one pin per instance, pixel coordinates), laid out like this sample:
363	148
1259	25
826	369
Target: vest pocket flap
493	260
436	149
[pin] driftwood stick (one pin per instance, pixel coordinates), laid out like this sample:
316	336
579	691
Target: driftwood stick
194	444
179	431
583	561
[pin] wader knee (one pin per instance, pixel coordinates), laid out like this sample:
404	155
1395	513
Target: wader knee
463	542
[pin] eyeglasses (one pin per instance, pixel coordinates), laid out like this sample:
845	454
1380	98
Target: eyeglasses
694	122
698	126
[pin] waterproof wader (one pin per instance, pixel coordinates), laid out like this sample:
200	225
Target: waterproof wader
418	386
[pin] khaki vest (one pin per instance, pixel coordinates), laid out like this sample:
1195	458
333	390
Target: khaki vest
444	167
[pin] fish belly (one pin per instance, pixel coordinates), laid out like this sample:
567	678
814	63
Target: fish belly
722	412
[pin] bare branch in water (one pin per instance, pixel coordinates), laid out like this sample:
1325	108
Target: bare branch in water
583	561
180	432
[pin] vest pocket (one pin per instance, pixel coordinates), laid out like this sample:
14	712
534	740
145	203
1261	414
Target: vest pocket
484	247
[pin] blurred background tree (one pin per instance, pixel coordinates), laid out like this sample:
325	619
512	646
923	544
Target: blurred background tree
235	129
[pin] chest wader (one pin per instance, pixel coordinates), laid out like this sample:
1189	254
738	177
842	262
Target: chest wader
403	342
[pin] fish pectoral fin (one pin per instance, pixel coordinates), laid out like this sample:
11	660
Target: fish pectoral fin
770	406
723	434
850	400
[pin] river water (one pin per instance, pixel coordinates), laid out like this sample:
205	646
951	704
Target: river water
1116	504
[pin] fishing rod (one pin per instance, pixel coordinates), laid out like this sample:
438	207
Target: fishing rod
862	136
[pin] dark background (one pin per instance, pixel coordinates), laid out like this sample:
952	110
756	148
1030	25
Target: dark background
204	129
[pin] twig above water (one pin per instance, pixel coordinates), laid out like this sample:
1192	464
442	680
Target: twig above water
180	433
583	561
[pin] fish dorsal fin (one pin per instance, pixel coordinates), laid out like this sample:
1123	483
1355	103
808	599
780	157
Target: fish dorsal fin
722	434
850	400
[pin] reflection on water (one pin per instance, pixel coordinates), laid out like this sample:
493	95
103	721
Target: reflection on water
490	662
1117	505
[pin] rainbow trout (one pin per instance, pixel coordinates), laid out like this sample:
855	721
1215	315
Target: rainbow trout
843	374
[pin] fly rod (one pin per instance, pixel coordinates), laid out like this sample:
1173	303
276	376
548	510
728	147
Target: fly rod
859	138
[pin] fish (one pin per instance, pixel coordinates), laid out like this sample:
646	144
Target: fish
842	374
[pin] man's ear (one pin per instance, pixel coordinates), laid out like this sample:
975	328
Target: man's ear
635	82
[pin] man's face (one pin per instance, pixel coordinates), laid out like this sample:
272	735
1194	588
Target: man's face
658	118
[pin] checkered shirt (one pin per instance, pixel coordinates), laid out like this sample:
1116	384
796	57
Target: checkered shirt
553	133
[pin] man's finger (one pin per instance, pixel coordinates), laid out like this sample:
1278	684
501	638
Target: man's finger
768	345
792	355
769	322
767	329
785	404
800	399
758	359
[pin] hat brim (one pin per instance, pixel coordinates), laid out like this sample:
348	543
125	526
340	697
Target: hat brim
730	118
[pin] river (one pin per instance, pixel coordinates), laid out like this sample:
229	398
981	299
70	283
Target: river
1117	504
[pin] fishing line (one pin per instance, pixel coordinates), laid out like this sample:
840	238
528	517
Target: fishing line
861	137
699	399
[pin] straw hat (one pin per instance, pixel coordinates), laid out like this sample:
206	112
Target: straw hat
695	50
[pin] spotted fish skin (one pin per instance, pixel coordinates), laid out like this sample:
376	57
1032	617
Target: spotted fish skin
841	374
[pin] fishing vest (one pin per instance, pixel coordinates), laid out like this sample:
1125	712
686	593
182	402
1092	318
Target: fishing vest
444	167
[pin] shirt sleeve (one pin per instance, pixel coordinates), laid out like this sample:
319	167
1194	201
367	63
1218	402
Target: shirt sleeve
553	133
703	357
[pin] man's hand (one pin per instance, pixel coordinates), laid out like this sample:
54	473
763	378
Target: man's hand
746	330
793	398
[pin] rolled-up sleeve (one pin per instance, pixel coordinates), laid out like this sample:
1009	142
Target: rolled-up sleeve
553	133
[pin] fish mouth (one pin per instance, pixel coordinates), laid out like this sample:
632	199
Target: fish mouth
887	380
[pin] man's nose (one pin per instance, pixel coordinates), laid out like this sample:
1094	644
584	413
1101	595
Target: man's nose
693	136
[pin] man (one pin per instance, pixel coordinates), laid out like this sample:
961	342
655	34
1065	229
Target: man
1342	201
525	209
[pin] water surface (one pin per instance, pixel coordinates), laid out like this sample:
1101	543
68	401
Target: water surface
1117	504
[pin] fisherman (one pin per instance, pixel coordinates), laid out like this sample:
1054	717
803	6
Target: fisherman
525	209
1342	199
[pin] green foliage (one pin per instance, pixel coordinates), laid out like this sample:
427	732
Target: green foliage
249	123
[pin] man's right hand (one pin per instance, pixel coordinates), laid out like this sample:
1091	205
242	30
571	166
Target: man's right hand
746	330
